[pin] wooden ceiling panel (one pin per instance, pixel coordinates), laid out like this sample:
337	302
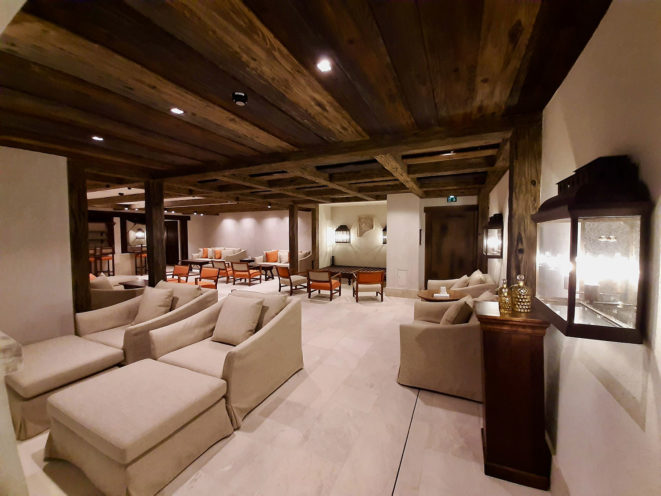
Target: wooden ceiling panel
45	43
227	33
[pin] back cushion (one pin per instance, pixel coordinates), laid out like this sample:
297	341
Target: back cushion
459	312
205	252
272	305
237	320
271	256
155	302
181	293
283	257
476	278
462	282
101	282
217	253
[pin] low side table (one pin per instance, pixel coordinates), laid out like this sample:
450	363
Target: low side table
513	438
137	284
267	270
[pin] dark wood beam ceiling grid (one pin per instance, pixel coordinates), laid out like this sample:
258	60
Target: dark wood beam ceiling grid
396	166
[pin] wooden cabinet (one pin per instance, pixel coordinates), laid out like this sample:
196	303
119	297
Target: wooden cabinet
513	437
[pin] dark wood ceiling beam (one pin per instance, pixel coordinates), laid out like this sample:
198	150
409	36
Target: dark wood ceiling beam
397	168
231	36
501	166
74	55
450	168
114	200
321	178
452	156
101	182
256	183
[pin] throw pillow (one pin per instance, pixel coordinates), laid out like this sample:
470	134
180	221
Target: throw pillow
205	252
154	303
488	279
181	293
475	278
271	256
92	277
101	282
272	305
237	320
459	312
284	257
462	282
217	254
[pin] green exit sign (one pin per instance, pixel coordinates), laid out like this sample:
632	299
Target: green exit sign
452	199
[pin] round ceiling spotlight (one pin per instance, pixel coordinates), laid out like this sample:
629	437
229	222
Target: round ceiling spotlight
97	138
324	65
240	98
269	205
176	110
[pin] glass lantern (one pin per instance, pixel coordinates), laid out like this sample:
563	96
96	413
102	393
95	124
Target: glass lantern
343	234
493	237
384	235
592	252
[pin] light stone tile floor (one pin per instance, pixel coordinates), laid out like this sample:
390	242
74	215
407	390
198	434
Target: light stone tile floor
338	427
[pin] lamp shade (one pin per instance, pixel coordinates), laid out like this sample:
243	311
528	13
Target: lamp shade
493	237
343	234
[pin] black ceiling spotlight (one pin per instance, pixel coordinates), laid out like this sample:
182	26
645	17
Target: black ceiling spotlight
240	98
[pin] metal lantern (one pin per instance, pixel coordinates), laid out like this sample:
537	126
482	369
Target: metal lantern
384	235
343	234
493	237
592	252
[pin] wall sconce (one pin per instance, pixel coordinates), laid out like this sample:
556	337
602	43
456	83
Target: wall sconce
140	234
343	234
493	237
384	235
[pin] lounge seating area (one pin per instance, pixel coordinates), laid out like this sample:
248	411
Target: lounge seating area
330	248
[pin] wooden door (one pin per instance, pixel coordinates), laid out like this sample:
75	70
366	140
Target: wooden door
450	242
171	242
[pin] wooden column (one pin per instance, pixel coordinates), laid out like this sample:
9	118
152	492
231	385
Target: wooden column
183	238
315	237
525	172
293	239
155	223
482	219
78	239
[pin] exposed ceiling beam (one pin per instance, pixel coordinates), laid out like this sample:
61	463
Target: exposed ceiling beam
449	168
258	183
321	178
397	168
501	166
452	155
114	200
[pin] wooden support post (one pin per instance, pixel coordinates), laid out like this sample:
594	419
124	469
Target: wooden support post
482	219
314	245
293	239
155	217
525	172
78	238
183	238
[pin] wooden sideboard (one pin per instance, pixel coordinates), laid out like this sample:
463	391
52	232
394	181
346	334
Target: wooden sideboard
513	436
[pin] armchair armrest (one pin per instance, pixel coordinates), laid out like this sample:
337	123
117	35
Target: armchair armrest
108	317
429	311
136	337
101	298
260	364
436	284
183	333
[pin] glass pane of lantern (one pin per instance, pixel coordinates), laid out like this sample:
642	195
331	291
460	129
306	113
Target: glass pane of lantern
553	265
494	242
607	271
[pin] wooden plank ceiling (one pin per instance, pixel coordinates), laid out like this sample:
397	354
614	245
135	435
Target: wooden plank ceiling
421	95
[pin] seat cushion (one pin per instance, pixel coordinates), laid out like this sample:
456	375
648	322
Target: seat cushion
154	303
325	285
272	305
56	362
181	293
110	337
237	319
206	357
123	414
369	287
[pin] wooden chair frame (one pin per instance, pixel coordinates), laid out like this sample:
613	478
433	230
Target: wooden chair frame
329	282
287	277
213	279
179	277
356	282
244	275
224	269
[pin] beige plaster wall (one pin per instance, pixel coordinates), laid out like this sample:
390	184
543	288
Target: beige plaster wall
604	399
36	300
367	250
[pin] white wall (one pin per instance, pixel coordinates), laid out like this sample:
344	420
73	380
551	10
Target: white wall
604	399
499	204
254	231
403	258
36	300
365	251
8	9
326	239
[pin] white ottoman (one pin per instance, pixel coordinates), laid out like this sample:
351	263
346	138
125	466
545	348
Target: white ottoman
47	367
132	430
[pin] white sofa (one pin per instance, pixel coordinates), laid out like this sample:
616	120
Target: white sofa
304	260
228	255
473	285
113	325
252	369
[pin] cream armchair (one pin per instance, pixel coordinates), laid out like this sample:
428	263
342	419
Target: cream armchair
442	358
304	260
113	326
253	369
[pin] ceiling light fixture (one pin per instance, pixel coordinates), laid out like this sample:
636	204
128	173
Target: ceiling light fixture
269	205
240	98
324	65
202	215
176	110
97	138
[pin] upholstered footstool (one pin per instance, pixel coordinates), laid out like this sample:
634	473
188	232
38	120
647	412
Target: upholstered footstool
132	430
48	366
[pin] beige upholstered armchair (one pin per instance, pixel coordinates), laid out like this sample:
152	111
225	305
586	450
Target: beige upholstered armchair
442	358
107	291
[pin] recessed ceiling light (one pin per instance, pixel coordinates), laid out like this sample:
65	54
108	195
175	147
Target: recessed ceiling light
269	205
97	138
324	65
202	215
240	98
126	208
176	110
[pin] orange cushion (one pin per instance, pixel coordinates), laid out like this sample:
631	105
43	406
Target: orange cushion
218	254
369	277
207	284
177	280
92	277
271	256
205	252
248	273
325	285
106	257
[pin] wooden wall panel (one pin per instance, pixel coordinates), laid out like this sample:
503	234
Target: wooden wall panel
293	239
78	236
155	217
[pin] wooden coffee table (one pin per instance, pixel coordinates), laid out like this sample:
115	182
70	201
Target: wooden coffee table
135	284
267	270
196	262
428	295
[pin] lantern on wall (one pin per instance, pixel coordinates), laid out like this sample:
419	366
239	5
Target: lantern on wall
343	234
493	237
140	233
384	235
592	252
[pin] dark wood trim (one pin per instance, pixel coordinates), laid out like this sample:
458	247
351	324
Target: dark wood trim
314	216
183	237
78	238
482	219
123	235
293	239
155	223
